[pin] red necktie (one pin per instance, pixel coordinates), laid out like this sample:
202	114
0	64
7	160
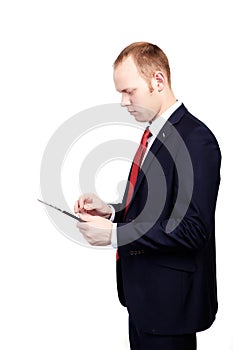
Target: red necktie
135	168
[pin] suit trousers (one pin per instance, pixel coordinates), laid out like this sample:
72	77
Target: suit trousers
145	341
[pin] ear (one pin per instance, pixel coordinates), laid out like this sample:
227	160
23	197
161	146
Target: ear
158	81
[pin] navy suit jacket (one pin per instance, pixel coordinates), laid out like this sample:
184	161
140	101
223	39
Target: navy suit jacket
166	272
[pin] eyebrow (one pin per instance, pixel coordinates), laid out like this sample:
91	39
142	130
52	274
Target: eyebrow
125	90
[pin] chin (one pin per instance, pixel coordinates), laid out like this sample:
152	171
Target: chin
142	115
140	118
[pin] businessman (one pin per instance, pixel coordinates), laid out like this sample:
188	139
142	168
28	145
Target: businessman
164	229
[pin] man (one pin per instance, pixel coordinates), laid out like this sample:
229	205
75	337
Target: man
164	228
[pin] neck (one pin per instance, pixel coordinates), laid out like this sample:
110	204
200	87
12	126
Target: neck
167	100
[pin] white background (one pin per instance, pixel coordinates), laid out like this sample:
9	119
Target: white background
56	60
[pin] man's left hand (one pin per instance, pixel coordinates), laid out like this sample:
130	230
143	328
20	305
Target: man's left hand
96	230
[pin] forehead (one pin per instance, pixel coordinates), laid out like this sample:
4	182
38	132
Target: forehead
126	74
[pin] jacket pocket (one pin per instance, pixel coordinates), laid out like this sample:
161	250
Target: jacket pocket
177	262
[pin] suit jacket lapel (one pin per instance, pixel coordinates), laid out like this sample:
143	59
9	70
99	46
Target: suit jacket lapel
158	142
161	138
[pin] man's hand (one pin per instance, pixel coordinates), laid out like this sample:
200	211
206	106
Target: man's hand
90	203
96	230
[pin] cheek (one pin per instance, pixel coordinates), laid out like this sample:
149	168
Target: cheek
140	99
143	100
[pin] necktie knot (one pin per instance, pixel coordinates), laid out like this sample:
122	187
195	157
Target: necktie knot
146	135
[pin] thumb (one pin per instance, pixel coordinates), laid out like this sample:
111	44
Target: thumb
88	206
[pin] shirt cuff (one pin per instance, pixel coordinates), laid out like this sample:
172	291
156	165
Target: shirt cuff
112	217
114	227
114	236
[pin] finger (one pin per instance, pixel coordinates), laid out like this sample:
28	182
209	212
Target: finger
89	206
79	205
85	200
81	202
87	217
76	207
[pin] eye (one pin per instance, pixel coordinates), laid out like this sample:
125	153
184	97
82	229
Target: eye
130	92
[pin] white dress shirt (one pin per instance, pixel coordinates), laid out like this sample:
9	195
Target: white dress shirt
154	128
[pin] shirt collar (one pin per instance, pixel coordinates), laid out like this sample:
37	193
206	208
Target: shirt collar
159	122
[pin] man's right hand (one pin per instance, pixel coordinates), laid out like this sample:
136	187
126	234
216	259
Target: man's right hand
93	205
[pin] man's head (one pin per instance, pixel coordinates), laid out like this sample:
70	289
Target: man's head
142	76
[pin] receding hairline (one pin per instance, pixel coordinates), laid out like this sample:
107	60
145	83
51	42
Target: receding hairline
147	57
124	59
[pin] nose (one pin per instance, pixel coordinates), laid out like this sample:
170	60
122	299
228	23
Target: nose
125	100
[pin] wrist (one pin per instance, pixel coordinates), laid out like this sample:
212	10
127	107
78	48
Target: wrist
108	212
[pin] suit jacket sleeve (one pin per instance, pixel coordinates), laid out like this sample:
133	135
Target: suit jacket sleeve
118	212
